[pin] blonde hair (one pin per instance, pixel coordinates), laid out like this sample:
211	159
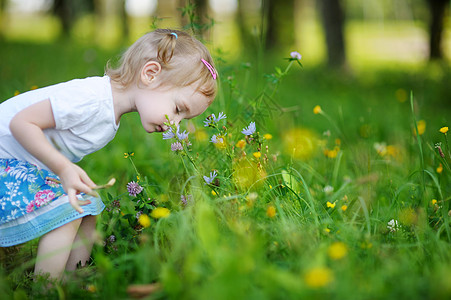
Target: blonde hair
179	55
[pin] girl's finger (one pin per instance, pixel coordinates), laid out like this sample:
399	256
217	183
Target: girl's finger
71	194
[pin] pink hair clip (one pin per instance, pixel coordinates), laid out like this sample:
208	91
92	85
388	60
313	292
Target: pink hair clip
210	68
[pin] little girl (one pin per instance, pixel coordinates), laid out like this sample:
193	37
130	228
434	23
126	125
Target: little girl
45	131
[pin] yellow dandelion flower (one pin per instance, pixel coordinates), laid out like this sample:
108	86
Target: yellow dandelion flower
444	129
401	95
144	220
326	230
201	135
317	110
267	136
92	288
421	125
337	250
248	173
439	168
318	277
125	155
213	193
434	201
16	92
337	142
330	205
160	212
301	143
241	144
271	211
344	207
257	154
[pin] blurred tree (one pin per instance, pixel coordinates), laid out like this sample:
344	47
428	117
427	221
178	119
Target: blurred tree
279	30
437	9
124	19
333	22
2	9
67	11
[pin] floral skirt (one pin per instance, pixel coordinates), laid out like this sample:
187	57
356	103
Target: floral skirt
33	202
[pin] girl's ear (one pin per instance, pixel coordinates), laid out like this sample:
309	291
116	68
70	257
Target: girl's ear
150	70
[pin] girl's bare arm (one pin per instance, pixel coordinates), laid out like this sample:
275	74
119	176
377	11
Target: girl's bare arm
27	128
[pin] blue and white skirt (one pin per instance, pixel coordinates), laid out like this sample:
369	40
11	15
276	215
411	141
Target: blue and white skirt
33	202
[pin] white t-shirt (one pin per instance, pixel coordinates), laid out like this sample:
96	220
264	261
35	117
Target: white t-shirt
84	117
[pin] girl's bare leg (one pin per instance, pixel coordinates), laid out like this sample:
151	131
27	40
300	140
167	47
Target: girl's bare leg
54	249
83	243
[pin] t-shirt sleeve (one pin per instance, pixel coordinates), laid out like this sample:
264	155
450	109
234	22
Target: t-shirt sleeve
72	106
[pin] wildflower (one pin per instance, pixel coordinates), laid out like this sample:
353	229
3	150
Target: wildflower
249	130
326	230
216	139
241	144
168	134
186	199
211	119
134	188
317	110
160	212
210	179
328	189
439	168
214	193
219	141
267	136
144	220
177	146
257	154
129	154
181	135
112	238
301	143
330	205
295	55
337	250
344	207
444	130
392	225
440	151
271	211
91	288
421	126
318	277
434	201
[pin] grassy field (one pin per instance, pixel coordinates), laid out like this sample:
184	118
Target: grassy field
344	201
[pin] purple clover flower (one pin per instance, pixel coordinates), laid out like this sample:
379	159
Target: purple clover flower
134	188
249	130
210	179
177	146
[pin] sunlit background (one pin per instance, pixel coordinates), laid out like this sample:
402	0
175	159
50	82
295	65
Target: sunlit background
374	31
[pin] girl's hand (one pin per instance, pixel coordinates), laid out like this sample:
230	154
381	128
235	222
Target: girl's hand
75	180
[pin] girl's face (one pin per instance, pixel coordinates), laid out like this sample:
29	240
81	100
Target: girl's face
177	103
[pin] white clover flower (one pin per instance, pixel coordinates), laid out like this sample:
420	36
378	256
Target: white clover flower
392	225
328	189
295	55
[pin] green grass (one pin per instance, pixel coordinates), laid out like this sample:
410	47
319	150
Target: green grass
223	245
